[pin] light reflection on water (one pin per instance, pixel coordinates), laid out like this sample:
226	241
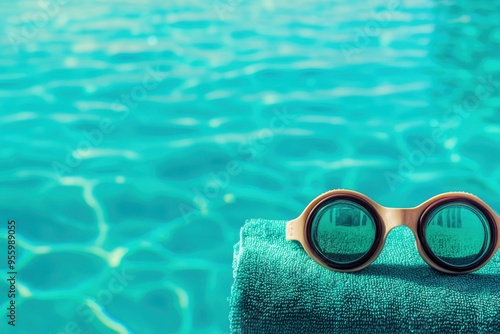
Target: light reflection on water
206	138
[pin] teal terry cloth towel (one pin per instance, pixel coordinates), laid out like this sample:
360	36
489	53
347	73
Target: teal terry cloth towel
278	288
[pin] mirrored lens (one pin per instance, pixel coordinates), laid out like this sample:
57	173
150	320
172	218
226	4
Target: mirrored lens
343	231
458	234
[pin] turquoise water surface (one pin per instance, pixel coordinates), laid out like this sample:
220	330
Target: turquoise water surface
137	138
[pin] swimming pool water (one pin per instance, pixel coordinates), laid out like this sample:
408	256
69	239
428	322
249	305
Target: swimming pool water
137	138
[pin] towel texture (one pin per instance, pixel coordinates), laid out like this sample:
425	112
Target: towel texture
278	288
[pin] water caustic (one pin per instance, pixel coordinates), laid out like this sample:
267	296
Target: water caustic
360	104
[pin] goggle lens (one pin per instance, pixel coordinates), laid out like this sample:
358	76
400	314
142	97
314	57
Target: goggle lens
342	231
458	234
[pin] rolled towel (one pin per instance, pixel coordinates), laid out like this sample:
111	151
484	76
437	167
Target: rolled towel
278	288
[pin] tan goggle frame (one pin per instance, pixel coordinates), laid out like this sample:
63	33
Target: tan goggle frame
389	218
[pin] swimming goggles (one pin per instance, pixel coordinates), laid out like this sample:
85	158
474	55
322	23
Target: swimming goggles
345	231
